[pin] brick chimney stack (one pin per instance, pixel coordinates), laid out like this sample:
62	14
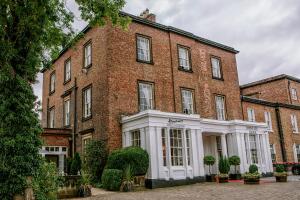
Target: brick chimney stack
148	16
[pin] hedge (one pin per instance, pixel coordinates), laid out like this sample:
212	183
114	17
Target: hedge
136	157
112	179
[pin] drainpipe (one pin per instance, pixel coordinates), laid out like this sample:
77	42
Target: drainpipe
281	136
75	118
172	71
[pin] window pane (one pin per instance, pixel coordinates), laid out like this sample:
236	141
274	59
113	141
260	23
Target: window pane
68	70
216	69
87	55
143	48
187	101
87	102
67	112
184	61
146	96
136	138
52	82
220	107
176	147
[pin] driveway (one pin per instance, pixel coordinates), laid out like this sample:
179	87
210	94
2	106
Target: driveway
268	189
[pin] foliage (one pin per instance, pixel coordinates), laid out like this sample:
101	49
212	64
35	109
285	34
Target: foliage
234	161
280	168
223	175
249	176
76	164
209	160
112	179
95	159
224	166
253	169
69	163
127	182
46	181
136	157
85	185
31	35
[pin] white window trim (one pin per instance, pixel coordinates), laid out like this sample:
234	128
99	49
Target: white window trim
87	106
216	70
185	58
67	112
251	114
135	141
88	54
187	101
52	117
220	111
294	122
85	137
67	70
147	96
269	118
52	82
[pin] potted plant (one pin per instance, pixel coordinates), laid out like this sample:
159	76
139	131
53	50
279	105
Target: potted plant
127	182
224	168
252	177
209	160
85	188
235	161
280	174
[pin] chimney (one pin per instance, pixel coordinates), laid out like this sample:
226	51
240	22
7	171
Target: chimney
148	16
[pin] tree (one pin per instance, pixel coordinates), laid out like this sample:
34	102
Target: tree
75	165
235	161
210	161
32	33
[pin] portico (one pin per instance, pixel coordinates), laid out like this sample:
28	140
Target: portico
177	144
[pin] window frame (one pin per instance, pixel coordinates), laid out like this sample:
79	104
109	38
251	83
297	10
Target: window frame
49	119
294	94
50	83
85	118
137	35
268	115
193	100
273	152
179	159
256	149
181	68
294	121
254	120
135	141
65	71
220	66
87	136
139	97
64	112
89	42
225	106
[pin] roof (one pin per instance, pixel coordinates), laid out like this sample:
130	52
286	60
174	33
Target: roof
268	103
270	79
162	27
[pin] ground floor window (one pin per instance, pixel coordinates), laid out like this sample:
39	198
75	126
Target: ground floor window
176	147
298	152
253	149
85	141
135	138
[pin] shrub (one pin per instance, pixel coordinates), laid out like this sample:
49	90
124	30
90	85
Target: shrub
76	164
69	163
136	157
112	179
209	160
234	161
224	166
46	181
280	168
253	169
95	159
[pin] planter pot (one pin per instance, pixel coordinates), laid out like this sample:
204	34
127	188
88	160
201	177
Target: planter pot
139	180
281	178
127	186
251	181
235	176
210	178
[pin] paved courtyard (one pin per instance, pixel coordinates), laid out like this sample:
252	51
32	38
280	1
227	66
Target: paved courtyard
269	189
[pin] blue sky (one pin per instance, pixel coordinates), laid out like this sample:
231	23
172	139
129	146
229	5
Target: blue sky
266	32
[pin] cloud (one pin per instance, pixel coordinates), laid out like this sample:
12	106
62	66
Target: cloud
266	32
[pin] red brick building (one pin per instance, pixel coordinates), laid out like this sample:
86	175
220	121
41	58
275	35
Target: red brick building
275	100
154	86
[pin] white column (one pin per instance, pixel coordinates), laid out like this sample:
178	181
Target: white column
259	151
268	158
200	152
152	150
241	149
224	145
61	163
143	138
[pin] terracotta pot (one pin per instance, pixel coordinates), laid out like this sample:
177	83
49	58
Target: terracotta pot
251	181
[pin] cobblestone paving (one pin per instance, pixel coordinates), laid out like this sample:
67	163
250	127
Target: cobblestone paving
212	191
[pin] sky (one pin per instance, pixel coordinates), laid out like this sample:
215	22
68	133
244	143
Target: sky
266	32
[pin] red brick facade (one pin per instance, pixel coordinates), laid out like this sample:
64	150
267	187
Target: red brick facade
115	73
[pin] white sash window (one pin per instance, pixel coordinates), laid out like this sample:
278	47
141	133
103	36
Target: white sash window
216	68
294	94
88	54
297	152
67	112
146	96
135	138
87	102
68	70
52	82
143	48
176	147
251	115
52	117
253	149
184	58
268	120
187	101
294	123
273	152
220	107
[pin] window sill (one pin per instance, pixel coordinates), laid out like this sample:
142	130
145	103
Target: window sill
185	70
218	79
67	81
51	92
145	62
86	118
